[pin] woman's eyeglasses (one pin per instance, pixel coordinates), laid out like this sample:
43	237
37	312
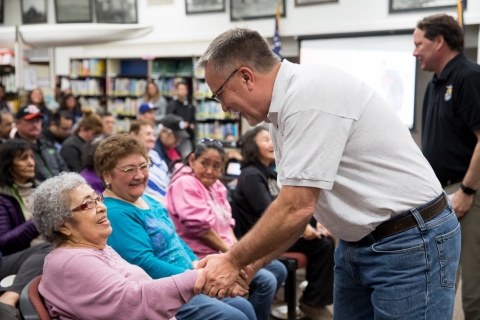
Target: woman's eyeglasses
203	140
131	170
89	204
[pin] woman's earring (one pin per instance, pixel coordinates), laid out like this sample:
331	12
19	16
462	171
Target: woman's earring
107	185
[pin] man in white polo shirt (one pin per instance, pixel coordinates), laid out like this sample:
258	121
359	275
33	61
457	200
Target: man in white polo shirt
343	156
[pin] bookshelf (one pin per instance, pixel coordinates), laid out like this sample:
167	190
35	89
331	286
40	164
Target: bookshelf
7	78
212	121
88	81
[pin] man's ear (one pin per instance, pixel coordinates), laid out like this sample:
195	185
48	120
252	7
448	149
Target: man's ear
248	76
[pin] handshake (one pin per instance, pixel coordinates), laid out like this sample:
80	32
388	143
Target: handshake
219	277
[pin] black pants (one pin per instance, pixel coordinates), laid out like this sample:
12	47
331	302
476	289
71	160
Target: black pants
319	291
26	264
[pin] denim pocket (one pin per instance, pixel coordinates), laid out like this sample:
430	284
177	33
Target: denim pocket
448	246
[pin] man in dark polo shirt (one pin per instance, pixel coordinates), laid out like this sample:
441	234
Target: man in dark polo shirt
451	136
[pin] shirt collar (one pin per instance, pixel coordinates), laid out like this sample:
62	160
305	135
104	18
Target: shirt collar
279	90
450	66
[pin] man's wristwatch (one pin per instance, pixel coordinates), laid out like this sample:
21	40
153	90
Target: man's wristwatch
467	190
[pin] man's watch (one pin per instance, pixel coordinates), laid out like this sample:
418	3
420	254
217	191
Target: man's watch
467	190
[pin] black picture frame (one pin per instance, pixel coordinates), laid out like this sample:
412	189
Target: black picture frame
301	3
206	6
116	11
398	6
250	11
73	11
1	11
33	11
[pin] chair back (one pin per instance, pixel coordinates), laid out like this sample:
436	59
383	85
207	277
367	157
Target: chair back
32	304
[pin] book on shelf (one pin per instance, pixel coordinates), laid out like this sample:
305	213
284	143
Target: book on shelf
125	107
8	81
210	109
87	67
87	86
217	130
126	86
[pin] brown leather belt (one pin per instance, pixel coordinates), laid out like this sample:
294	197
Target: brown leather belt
408	222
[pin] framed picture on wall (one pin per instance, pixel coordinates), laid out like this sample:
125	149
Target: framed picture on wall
204	6
73	11
409	5
248	10
116	11
1	11
299	3
34	11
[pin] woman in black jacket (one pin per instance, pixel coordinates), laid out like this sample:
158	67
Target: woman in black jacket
256	189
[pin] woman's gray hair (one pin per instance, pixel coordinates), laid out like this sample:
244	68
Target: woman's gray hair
239	47
51	205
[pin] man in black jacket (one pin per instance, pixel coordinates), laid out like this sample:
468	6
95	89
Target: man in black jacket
59	129
48	162
183	108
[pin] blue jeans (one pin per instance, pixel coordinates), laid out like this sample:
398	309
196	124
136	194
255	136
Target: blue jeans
264	286
202	307
410	275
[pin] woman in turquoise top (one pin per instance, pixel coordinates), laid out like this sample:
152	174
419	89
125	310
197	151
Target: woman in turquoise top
143	233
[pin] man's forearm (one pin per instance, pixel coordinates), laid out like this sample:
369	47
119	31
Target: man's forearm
472	177
279	227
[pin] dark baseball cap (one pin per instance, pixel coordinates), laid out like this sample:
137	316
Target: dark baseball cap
145	107
176	124
29	112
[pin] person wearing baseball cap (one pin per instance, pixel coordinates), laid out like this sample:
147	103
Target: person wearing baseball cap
171	132
146	111
49	163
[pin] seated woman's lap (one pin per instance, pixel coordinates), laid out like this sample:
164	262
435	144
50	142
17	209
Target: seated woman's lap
205	308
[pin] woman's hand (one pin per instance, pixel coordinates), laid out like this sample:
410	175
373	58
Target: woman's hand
310	233
322	230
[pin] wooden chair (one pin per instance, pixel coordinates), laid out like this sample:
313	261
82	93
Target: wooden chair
32	304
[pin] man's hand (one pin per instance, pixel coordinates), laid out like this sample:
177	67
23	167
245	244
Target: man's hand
219	276
461	202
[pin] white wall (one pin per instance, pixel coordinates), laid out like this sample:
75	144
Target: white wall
177	35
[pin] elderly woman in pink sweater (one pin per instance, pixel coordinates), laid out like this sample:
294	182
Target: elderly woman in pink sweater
84	278
197	203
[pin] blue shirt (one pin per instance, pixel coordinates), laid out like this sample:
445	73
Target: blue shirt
147	238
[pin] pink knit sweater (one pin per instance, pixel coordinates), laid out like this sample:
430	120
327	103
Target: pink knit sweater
99	284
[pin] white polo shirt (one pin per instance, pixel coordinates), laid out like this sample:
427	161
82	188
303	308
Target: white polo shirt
333	132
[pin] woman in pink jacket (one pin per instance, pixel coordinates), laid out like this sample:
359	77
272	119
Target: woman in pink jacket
197	203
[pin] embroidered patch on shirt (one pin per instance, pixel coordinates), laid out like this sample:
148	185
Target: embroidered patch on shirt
448	93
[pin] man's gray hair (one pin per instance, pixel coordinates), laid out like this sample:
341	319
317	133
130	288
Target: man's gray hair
51	205
238	47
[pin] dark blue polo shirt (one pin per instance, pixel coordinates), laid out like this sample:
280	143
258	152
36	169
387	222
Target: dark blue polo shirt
451	112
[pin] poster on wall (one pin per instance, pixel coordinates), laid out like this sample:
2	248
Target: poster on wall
253	9
34	11
415	5
385	63
73	11
204	6
116	11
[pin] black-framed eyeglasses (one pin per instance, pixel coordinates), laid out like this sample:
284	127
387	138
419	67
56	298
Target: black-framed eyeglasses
131	170
89	204
203	140
215	94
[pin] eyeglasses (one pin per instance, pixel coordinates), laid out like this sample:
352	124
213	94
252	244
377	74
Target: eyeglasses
89	204
131	170
215	94
203	140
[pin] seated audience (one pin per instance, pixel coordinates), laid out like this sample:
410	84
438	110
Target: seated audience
59	129
6	124
153	96
89	173
108	121
36	98
71	105
180	106
84	278
158	174
144	234
197	203
171	132
48	161
3	103
256	189
21	250
89	126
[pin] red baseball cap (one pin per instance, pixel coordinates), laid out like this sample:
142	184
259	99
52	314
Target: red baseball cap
29	112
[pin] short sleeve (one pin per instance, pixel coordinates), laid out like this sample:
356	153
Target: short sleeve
469	101
313	144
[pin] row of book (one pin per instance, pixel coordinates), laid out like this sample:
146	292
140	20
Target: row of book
173	68
126	86
166	86
92	103
122	125
8	80
201	90
217	130
209	109
125	107
87	67
89	87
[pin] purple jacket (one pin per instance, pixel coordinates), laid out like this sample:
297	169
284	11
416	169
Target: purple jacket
15	232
